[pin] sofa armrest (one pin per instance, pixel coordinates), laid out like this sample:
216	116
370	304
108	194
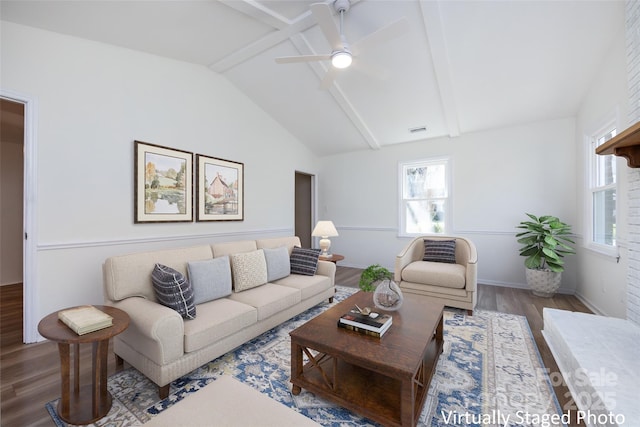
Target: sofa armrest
327	268
154	330
406	257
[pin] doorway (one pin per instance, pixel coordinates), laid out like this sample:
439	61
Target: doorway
304	202
12	116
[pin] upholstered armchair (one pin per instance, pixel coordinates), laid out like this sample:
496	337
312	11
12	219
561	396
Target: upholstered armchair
441	267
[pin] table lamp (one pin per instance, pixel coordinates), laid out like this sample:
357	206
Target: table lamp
324	230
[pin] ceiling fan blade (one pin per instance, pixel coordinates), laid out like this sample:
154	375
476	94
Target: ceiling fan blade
302	58
323	16
386	33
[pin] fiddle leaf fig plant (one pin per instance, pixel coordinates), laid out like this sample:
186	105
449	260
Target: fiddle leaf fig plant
371	275
545	242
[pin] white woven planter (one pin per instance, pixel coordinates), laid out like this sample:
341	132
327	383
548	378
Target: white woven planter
543	283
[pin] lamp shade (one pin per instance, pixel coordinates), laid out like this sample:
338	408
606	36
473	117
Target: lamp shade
324	229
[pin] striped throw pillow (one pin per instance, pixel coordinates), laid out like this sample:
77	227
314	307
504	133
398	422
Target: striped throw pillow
304	261
173	290
440	251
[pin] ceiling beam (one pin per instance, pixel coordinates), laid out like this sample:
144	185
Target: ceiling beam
284	29
320	69
440	56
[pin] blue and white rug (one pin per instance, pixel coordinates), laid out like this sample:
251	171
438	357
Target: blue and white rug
490	374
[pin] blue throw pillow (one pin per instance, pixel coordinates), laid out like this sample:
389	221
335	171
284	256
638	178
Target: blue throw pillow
210	279
173	290
278	263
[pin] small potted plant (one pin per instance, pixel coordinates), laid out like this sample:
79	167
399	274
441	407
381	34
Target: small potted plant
386	293
372	275
545	242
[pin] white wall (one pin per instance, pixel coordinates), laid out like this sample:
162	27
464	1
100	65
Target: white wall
94	101
497	176
602	280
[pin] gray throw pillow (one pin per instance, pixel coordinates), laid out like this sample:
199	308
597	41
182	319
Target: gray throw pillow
173	290
304	261
210	279
440	251
278	264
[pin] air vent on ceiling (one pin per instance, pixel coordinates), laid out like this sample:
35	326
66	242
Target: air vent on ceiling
418	129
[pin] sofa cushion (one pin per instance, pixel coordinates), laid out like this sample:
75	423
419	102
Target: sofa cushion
130	275
173	290
249	270
304	261
268	299
435	273
308	285
216	320
230	248
210	279
440	251
278	264
275	242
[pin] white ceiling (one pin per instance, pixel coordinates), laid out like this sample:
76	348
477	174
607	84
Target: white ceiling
462	66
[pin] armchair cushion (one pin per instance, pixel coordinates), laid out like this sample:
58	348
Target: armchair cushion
440	251
173	290
435	273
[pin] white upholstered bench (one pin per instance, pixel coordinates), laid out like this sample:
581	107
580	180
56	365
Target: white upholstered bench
599	360
227	402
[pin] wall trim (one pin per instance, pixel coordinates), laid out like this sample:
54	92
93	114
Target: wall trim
53	246
589	304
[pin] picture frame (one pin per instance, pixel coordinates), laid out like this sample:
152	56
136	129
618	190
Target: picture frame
220	189
163	189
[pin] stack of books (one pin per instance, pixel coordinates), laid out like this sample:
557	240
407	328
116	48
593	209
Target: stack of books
85	319
367	325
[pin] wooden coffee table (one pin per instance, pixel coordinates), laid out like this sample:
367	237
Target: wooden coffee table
385	379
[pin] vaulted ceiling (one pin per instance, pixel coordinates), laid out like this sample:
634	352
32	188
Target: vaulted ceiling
460	66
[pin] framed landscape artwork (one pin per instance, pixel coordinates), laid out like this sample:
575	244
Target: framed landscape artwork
220	189
163	184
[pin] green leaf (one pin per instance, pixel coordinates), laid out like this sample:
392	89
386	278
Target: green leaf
550	253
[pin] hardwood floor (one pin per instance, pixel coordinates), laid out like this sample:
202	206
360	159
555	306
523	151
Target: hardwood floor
30	373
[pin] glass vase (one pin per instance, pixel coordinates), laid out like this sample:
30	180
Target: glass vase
388	295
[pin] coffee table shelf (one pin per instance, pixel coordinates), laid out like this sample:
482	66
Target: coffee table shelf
385	379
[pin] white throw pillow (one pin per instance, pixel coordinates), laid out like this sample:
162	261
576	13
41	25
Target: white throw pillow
249	270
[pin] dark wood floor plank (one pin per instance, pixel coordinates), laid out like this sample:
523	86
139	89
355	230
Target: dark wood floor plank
30	376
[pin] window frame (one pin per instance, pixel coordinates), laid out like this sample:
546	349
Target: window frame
447	200
591	187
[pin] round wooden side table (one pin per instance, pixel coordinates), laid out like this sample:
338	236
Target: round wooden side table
86	404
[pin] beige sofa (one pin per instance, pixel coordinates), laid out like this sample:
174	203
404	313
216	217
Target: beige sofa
453	284
164	346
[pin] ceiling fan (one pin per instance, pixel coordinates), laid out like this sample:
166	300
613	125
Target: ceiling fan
342	53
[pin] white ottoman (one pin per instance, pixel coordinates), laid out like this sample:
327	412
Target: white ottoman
228	402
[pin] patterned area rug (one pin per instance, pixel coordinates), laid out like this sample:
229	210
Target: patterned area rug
490	374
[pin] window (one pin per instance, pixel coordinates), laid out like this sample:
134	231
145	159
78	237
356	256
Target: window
602	192
424	194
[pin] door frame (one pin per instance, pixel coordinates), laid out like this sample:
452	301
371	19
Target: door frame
313	202
30	243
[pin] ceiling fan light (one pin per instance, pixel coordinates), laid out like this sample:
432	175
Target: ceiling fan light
341	59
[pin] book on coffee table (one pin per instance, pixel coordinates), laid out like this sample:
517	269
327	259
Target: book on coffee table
363	331
378	324
85	319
